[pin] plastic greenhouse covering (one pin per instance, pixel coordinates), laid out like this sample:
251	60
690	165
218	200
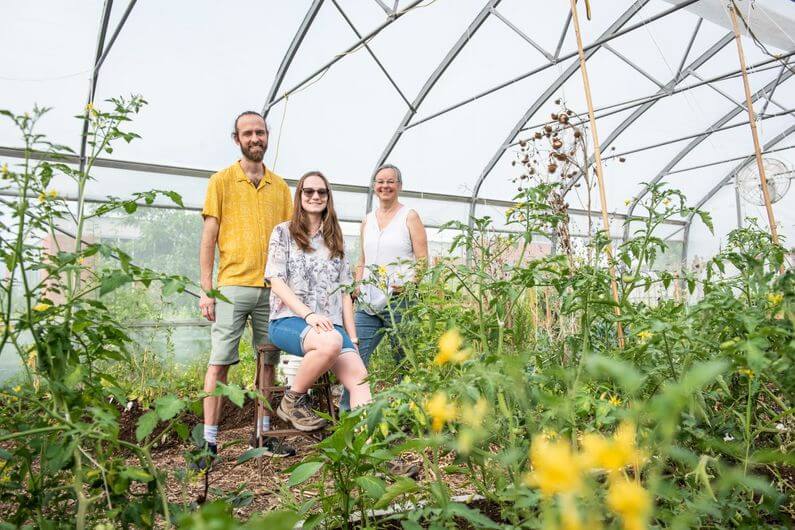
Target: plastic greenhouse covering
599	334
445	89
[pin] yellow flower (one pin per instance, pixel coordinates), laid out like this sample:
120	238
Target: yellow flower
747	372
473	415
614	400
613	454
5	169
626	202
555	468
52	194
666	202
631	502
42	198
17	389
450	349
775	298
644	336
41	306
509	211
440	410
381	271
89	107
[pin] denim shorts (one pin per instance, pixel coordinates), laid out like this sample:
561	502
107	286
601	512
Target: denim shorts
288	335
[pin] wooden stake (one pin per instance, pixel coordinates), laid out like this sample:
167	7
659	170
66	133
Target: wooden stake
752	121
599	173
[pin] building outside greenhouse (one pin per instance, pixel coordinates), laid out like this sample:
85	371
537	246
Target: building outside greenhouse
601	333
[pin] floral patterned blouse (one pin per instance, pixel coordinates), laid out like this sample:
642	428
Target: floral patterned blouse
314	277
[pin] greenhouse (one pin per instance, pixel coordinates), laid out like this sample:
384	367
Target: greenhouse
571	221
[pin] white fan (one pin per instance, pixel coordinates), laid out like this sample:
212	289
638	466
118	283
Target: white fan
749	185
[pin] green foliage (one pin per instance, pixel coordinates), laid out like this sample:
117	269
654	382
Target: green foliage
63	462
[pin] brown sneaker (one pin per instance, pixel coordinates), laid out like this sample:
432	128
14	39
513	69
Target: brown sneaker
295	409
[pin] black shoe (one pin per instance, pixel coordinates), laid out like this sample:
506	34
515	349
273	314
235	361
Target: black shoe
274	447
208	455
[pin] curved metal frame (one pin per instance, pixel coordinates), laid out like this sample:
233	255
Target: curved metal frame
695	143
289	55
489	8
273	100
548	93
428	86
686	236
670	85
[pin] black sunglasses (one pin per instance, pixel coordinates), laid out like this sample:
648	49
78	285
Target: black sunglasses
310	192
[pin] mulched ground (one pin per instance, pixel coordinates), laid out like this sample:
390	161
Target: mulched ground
226	477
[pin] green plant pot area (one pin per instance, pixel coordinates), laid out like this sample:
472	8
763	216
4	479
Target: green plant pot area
594	386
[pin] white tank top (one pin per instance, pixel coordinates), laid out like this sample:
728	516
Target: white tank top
391	251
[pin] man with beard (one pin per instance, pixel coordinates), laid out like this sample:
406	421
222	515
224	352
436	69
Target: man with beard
244	203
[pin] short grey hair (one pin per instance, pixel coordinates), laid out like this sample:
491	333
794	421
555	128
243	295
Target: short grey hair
394	168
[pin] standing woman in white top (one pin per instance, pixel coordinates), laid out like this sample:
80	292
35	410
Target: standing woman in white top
394	246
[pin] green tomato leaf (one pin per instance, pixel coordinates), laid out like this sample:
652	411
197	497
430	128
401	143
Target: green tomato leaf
374	487
168	406
146	424
303	473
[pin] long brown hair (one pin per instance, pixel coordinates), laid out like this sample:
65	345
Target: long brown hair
299	224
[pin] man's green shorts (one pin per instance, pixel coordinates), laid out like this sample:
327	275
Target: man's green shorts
230	322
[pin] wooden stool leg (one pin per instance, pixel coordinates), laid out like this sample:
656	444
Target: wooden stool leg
326	386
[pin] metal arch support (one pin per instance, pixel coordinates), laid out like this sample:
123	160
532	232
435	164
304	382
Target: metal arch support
711	193
695	143
92	84
670	85
371	52
548	93
303	29
429	84
273	99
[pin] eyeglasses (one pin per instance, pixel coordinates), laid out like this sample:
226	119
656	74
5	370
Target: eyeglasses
310	192
383	182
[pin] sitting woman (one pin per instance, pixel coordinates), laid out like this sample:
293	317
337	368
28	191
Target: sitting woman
311	314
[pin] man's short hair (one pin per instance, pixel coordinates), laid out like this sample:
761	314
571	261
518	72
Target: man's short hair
249	113
394	168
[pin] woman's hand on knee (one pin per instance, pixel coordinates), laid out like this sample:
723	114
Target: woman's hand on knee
319	322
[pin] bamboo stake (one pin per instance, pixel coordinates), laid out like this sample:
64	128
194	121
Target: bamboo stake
752	121
259	408
599	172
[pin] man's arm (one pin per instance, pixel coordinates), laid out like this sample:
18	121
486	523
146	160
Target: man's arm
206	259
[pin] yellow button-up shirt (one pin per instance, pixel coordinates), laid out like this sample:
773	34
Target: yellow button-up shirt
246	215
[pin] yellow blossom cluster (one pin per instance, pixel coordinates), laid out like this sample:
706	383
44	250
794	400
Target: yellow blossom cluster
631	502
775	298
450	349
441	411
41	306
559	470
556	469
47	195
644	336
746	372
612	454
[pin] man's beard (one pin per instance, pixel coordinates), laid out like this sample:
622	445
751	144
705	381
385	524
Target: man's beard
254	156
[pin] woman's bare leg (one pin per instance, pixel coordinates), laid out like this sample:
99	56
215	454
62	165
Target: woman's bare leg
322	351
351	372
